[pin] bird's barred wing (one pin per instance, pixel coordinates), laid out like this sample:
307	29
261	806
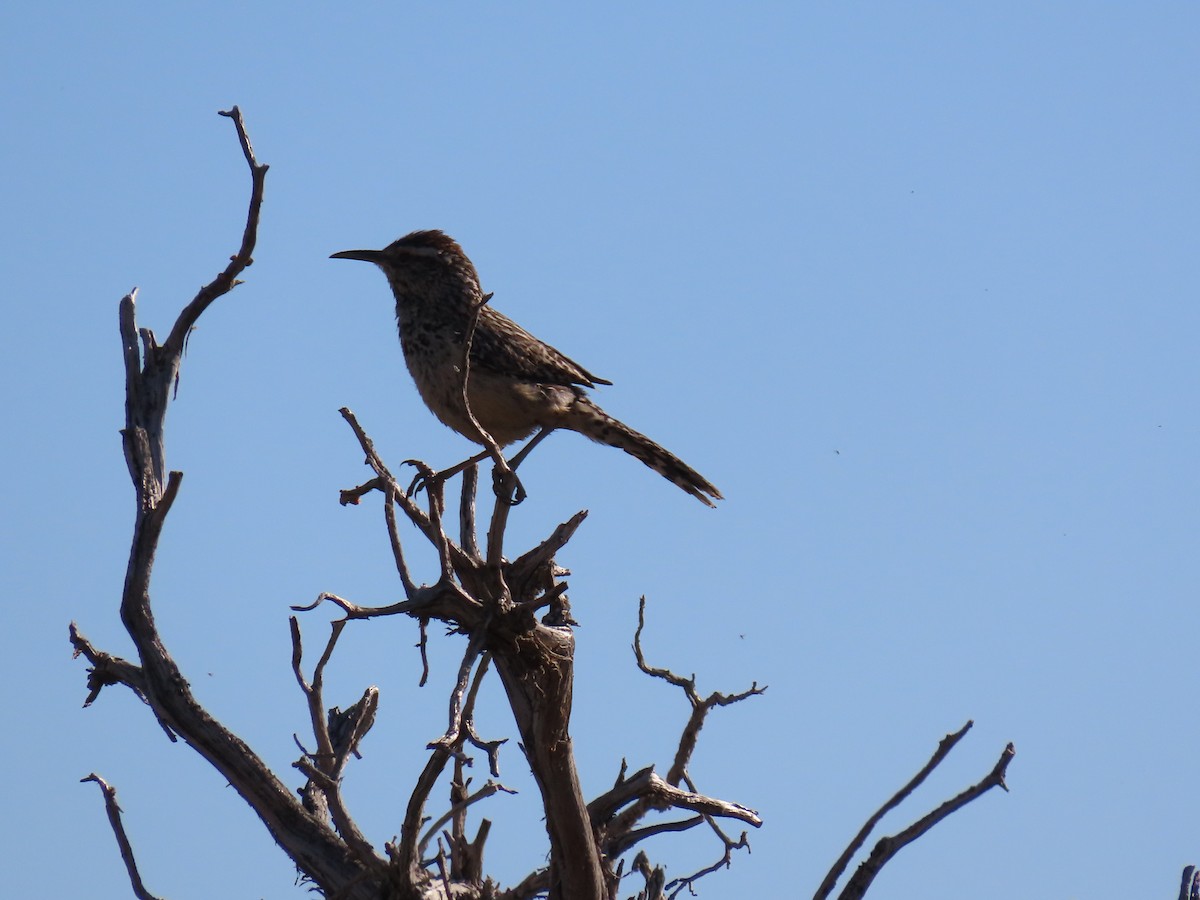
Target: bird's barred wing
503	346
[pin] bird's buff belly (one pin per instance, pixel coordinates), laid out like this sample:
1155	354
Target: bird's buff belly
507	409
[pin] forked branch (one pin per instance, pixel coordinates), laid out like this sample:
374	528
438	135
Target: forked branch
151	375
887	847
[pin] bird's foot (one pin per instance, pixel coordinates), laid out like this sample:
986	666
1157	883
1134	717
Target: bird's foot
507	486
426	478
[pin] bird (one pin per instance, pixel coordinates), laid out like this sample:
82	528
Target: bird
516	384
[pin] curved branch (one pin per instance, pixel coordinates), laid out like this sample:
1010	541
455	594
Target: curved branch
240	261
150	377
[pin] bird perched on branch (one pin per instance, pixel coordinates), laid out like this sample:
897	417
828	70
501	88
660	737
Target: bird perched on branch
516	384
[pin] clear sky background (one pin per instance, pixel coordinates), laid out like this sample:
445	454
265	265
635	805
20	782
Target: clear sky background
914	284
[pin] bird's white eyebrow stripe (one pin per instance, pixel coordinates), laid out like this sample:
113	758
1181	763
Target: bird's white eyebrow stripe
421	251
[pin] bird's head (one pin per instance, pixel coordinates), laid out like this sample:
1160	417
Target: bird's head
420	260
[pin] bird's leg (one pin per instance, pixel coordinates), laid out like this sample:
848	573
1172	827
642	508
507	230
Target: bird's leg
507	484
514	490
533	442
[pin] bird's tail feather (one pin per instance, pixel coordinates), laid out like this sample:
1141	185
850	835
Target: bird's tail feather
593	422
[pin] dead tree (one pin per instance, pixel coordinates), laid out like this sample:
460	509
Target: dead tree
514	616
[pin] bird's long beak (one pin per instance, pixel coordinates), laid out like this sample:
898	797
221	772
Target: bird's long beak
373	256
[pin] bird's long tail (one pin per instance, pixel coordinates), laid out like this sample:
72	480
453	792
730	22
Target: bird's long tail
591	421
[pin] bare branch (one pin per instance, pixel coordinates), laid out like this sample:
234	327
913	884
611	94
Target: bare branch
472	854
106	669
464	366
422	644
687	685
227	279
724	862
383	474
389	517
658	794
441	863
532	885
654	876
114	819
348	728
474	647
330	760
442	600
427	523
313	691
943	750
638	835
532	561
491	748
466	512
622	824
351	496
492	787
479	594
887	847
1189	886
151	374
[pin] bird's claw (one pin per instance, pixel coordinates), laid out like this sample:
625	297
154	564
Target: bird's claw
508	487
423	479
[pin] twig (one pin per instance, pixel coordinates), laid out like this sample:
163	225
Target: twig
532	885
701	706
422	645
887	847
313	691
106	669
466	512
943	750
488	441
723	863
114	819
637	835
351	496
654	876
525	565
385	477
491	748
327	762
389	516
227	280
492	787
458	695
437	600
441	862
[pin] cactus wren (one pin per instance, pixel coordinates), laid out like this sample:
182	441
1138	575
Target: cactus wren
515	384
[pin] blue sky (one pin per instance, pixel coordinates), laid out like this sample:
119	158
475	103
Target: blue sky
913	284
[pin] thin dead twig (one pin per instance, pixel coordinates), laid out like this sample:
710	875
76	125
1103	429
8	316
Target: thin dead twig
114	819
328	761
943	750
492	787
888	847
